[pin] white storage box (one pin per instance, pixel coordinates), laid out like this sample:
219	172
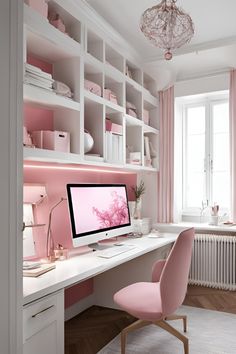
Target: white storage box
142	225
52	140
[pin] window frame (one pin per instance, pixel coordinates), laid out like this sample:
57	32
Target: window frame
208	102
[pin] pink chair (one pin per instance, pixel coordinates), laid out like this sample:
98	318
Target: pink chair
155	302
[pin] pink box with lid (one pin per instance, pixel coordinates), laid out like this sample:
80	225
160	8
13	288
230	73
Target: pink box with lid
40	6
109	95
113	127
58	23
52	140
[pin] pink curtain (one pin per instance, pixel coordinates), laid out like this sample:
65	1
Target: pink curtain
232	120
166	174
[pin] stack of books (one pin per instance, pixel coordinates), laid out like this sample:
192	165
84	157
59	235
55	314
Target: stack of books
34	269
37	77
114	142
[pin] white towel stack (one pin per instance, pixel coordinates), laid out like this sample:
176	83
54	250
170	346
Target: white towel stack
37	77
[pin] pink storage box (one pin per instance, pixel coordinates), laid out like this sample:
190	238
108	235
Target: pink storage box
52	140
92	87
146	117
109	95
40	6
58	24
113	127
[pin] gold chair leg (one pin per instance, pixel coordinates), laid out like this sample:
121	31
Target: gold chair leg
178	317
164	325
136	325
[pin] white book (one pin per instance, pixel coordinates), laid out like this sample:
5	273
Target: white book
37	71
109	146
39	79
115	148
38	85
147	147
106	146
33	81
120	148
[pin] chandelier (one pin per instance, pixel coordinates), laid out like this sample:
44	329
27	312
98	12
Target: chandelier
167	26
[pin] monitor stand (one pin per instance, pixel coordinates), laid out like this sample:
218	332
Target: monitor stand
98	246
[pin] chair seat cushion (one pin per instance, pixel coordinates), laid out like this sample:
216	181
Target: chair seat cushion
141	300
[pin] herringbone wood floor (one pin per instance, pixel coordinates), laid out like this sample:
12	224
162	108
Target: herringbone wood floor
88	332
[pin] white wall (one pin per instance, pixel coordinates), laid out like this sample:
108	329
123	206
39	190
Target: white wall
218	82
11	24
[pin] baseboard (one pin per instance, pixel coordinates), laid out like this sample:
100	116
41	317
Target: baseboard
80	306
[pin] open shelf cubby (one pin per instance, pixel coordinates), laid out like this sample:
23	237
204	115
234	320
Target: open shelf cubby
95	45
94	123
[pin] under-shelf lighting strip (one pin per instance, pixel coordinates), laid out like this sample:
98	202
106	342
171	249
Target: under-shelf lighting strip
70	168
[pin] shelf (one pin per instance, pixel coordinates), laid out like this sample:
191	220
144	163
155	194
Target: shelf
50	156
92	97
93	65
148	129
44	98
42	37
132	121
150	169
113	106
98	99
41	155
151	101
133	83
112	72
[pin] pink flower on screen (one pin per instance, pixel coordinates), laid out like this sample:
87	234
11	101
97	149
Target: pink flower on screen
116	214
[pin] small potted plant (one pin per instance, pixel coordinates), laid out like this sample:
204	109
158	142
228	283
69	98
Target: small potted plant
138	190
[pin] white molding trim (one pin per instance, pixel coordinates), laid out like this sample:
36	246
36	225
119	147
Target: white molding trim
223	42
202	75
79	307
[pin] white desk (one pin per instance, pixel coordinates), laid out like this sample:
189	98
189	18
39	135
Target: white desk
44	296
81	267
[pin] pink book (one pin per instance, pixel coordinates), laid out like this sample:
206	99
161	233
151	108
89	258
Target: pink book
113	127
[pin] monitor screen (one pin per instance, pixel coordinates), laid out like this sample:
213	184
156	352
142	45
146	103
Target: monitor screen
98	209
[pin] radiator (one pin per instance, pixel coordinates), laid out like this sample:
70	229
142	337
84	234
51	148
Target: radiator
214	261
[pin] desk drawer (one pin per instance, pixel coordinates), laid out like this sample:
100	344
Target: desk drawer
42	313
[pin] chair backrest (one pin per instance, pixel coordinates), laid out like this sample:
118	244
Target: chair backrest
174	277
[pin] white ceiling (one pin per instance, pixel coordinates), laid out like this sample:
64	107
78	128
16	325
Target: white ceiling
213	47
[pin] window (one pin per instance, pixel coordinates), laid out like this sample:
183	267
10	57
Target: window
205	154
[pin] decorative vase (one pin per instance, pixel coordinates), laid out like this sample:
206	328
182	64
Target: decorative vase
88	141
137	209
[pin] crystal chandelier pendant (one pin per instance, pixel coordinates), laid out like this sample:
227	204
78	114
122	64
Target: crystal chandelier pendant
167	26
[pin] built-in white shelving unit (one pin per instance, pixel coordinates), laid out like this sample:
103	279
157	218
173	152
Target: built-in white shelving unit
85	54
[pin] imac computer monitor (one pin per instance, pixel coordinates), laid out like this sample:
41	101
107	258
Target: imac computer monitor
97	212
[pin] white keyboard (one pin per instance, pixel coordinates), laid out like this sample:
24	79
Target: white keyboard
115	251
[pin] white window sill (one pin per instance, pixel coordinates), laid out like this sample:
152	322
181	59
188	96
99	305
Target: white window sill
178	227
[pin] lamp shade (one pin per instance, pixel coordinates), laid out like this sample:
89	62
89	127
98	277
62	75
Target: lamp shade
33	193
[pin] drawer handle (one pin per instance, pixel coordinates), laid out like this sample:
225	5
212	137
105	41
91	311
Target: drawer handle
39	313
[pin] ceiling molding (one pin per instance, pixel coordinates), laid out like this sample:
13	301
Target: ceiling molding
205	74
223	42
90	16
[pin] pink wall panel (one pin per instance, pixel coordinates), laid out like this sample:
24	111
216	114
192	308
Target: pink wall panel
78	292
55	182
36	118
45	66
